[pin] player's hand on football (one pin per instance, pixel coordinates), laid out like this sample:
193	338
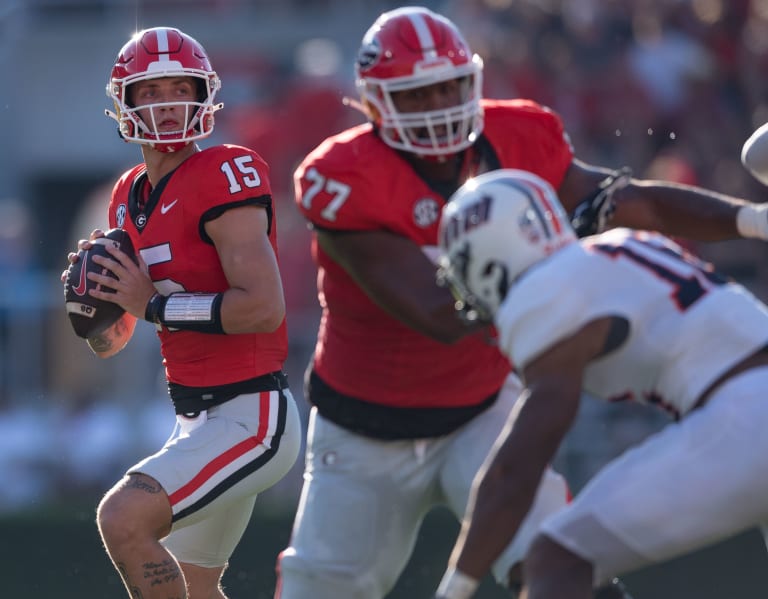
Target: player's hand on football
131	283
83	244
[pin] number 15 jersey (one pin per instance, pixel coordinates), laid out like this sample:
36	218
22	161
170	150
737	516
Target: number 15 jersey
167	227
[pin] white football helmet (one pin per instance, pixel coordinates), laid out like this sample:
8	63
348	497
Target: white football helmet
413	47
163	52
492	230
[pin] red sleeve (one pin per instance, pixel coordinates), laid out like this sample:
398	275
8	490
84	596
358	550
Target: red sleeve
343	183
529	136
228	174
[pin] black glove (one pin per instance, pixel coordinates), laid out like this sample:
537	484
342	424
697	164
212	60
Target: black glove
593	212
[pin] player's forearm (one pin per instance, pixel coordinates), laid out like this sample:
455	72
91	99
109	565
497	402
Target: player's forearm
436	319
679	210
253	312
495	512
493	522
227	312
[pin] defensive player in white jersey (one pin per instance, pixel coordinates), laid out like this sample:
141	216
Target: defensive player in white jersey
624	315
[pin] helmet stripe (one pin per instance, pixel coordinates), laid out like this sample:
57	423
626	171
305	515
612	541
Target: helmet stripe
549	208
539	205
426	41
162	45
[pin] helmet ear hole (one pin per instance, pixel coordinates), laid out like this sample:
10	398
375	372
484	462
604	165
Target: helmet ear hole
202	91
128	99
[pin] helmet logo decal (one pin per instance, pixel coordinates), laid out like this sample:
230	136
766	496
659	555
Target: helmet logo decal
426	212
472	216
120	215
369	53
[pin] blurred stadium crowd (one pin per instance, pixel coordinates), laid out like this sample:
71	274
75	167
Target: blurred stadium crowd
671	88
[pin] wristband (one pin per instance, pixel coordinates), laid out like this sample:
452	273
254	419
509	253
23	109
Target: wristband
200	312
154	308
456	585
752	221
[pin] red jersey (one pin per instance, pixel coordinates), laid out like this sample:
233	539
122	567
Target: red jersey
354	182
167	226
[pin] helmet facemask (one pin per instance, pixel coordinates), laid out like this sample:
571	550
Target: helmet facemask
197	115
480	306
439	132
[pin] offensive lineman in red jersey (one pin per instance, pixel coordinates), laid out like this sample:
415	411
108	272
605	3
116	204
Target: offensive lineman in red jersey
204	226
407	401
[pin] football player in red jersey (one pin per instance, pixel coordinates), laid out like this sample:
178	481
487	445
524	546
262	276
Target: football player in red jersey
203	224
406	400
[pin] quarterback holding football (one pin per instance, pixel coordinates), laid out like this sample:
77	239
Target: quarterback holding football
206	276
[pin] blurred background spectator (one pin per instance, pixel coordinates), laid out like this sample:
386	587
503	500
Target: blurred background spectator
671	88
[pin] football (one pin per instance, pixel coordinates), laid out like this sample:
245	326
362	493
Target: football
88	315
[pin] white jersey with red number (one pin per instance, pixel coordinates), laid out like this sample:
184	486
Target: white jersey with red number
354	182
687	325
169	232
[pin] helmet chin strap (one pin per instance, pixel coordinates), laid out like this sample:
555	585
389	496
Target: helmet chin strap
439	158
356	104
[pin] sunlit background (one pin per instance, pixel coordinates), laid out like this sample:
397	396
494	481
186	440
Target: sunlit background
671	88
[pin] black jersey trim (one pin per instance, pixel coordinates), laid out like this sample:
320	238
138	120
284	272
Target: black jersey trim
387	422
215	212
188	400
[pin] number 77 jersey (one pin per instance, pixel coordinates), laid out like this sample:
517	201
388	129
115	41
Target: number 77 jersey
686	325
167	227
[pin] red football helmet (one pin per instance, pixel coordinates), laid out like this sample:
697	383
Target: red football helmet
414	47
163	52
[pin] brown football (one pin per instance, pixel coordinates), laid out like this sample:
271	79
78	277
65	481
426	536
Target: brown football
88	315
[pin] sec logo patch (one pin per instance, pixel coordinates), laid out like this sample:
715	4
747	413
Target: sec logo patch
426	212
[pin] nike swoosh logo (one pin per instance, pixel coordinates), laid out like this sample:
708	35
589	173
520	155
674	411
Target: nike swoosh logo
164	208
81	285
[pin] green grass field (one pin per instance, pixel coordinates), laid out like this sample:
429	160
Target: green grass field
47	556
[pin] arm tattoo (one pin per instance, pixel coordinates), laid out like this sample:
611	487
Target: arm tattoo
155	573
133	592
163	572
144	483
